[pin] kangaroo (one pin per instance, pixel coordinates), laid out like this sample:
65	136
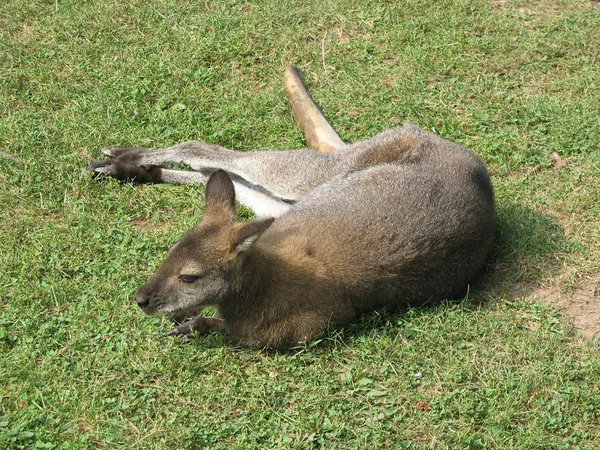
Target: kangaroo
404	217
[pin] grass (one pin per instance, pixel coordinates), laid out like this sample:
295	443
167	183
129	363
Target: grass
82	368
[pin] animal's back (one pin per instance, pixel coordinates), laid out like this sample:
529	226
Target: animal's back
394	233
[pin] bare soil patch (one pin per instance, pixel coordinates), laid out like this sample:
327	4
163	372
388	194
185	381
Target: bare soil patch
582	303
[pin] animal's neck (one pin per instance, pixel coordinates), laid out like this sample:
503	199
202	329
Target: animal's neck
265	278
252	290
256	274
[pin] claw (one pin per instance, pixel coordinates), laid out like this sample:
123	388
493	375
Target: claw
102	169
180	331
107	152
185	328
99	167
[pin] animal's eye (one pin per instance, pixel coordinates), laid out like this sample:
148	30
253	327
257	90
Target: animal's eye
188	278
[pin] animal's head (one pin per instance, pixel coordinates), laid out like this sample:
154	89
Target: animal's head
200	268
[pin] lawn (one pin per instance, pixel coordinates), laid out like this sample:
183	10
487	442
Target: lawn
82	368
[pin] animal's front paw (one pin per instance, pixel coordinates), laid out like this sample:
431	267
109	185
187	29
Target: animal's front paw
126	164
186	315
198	325
191	326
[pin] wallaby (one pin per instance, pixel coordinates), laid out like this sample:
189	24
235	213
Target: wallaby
405	217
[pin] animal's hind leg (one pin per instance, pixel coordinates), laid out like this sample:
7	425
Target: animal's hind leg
390	147
282	174
260	201
143	166
318	133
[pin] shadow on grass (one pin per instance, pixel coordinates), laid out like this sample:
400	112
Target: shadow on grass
526	248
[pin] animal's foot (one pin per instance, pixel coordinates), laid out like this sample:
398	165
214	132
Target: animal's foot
198	325
126	164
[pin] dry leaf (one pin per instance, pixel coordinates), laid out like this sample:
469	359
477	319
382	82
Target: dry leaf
558	161
422	406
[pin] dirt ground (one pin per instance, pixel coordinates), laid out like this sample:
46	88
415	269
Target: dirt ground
582	304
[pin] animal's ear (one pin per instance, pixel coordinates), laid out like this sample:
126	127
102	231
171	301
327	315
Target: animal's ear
247	234
219	197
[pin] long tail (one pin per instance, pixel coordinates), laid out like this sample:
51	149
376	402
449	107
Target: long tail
319	134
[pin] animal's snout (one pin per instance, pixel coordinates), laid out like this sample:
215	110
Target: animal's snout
142	299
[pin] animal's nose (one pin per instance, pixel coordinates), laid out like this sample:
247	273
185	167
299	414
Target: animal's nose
142	299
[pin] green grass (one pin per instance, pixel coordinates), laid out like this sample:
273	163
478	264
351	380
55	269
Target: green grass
81	366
